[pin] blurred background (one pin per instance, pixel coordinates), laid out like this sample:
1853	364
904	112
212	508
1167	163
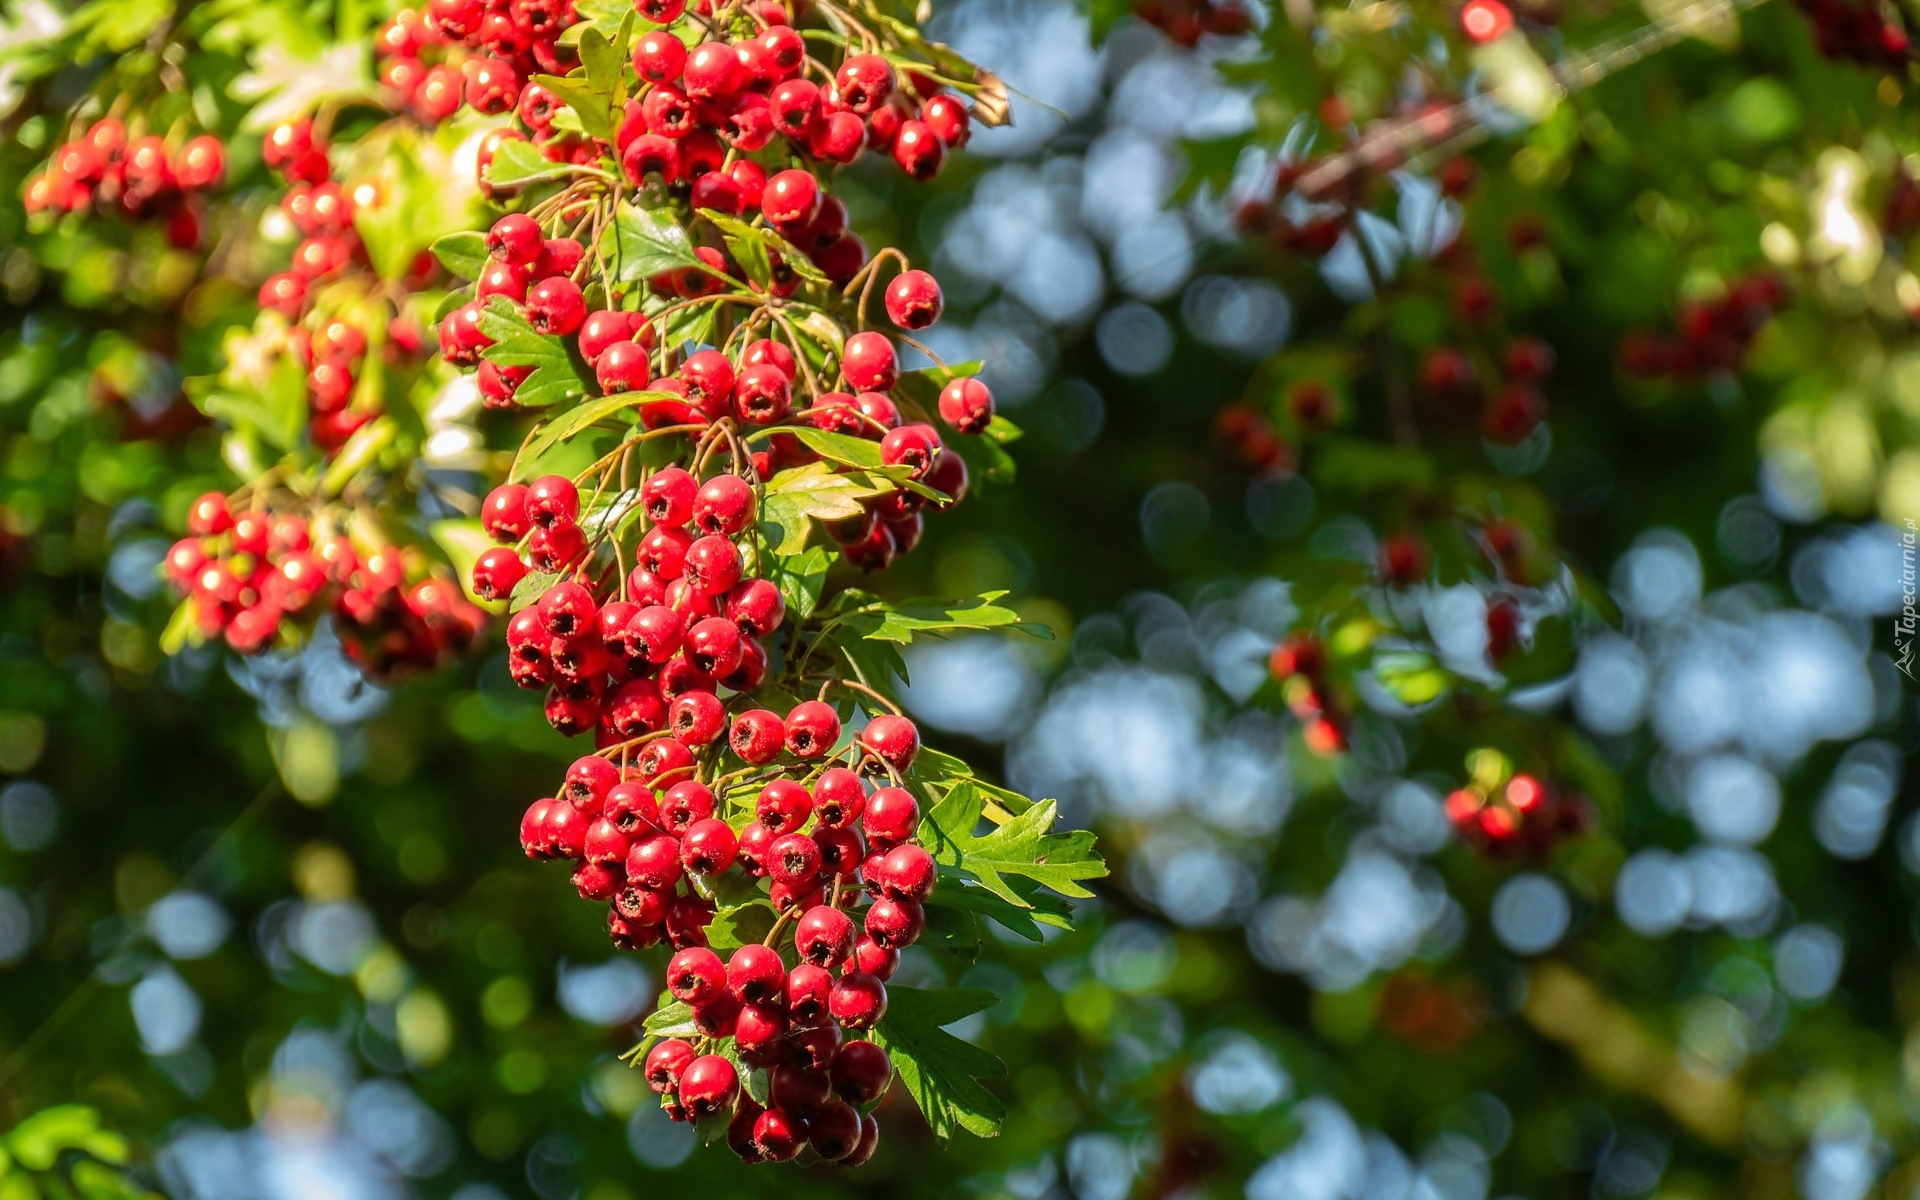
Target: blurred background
270	920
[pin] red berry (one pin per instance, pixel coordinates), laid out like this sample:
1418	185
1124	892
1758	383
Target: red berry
654	863
709	1084
869	363
696	976
791	199
890	818
755	975
552	501
762	395
713	564
555	306
870	956
919	151
895	924
799	1089
709	847
869	1141
202	163
860	1073
783	805
758	1033
895	740
496	572
756	736
709	378
659	56
725	505
865	81
668	1061
779	1135
756	606
696	718
948	118
858	1000
664	551
712	69
795	107
812	729
913	300
905	873
834	1130
966	404
824	936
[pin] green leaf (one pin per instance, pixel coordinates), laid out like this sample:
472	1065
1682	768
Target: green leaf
740	925
463	540
183	629
1021	847
649	242
1413	678
901	622
559	375
941	1072
567	424
464	254
801	578
673	1018
796	498
587	102
951	892
516	164
986	461
1360	467
1549	654
38	1141
532	586
753	248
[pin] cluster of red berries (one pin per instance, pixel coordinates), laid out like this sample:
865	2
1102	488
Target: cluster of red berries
1299	665
249	573
1513	408
139	177
536	273
1186	21
1711	336
649	833
478	52
1253	441
1870	34
1524	815
331	348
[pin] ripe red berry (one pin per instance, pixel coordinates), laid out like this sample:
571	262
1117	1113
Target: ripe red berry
858	1000
905	873
824	936
869	1141
516	238
916	447
779	1135
913	300
696	718
659	56
621	367
201	163
839	797
709	379
966	404
755	975
890	818
696	976
865	82
712	564
895	740
762	395
873	958
948	118
919	151
834	1130
724	505
758	1033
860	1073
869	363
783	805
719	1017
555	306
791	199
709	847
894	924
799	1089
496	572
709	1084
663	551
668	1060
654	863
664	762
712	69
794	860
552	501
